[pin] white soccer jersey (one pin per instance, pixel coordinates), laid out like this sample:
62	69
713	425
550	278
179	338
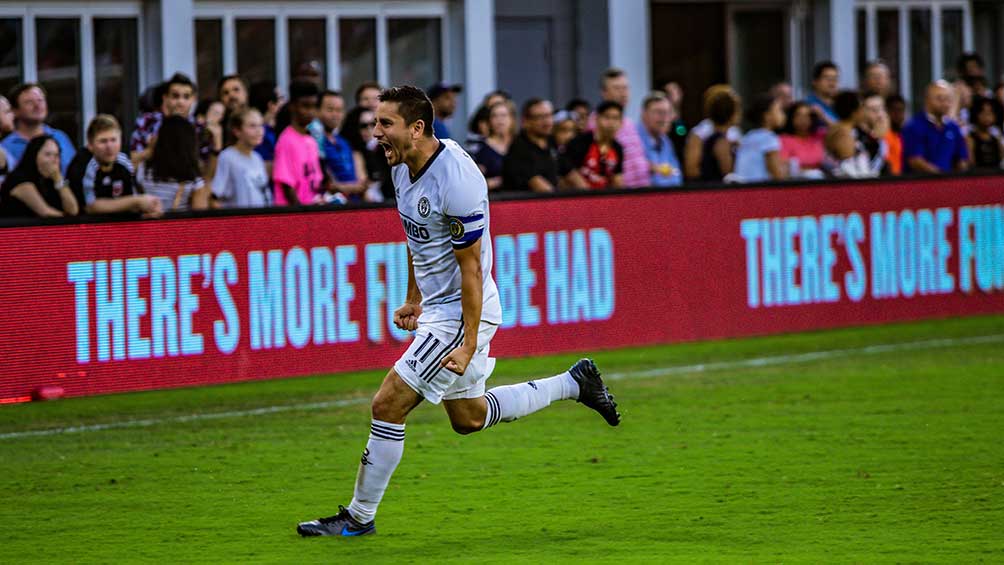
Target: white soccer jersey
445	207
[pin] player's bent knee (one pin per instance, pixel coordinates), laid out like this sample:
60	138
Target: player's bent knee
467	426
387	409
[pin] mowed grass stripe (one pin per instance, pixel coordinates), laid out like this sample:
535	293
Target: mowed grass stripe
755	362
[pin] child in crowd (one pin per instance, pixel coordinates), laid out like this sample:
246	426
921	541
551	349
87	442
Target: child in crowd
297	171
241	179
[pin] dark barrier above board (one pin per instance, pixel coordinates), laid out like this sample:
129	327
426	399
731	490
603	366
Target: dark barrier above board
120	306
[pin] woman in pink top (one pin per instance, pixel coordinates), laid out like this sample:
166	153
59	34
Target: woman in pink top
799	143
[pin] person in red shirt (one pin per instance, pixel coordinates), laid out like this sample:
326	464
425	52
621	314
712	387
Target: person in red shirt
595	160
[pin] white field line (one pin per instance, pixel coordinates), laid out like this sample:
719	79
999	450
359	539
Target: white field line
806	357
754	362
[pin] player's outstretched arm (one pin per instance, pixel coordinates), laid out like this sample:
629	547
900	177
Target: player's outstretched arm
469	259
406	317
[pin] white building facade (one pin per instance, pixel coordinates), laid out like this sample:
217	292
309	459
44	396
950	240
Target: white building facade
97	57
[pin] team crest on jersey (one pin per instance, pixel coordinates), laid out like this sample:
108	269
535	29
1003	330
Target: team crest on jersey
456	228
424	208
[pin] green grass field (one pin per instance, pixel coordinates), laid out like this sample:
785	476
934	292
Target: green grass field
892	454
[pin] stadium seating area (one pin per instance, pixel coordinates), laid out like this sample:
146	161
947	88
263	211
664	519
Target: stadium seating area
239	145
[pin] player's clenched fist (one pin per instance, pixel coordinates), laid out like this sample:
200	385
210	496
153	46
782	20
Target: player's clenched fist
406	317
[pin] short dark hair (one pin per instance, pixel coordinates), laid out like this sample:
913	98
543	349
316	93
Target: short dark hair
722	108
366	86
609	74
529	104
793	110
262	94
326	93
846	103
179	78
894	99
757	109
204	105
228	78
18	90
576	102
966	58
302	89
979	102
607	105
413	105
821	67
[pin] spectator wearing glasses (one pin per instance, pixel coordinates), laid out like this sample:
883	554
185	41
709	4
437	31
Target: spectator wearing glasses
933	143
358	131
532	162
36	187
31	109
656	121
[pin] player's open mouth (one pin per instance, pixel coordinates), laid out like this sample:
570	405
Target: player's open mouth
388	149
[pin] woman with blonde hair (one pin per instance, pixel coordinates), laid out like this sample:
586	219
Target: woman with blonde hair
490	153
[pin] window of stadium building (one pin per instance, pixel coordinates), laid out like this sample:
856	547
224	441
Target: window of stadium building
340	45
87	58
919	41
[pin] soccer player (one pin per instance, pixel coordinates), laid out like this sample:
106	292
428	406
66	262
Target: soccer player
453	305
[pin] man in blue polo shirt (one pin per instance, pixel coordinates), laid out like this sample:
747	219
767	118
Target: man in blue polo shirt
932	142
30	112
656	119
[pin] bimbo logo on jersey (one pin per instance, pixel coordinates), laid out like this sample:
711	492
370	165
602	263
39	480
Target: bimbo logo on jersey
415	230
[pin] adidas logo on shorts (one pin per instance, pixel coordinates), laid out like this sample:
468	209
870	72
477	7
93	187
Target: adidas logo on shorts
412	364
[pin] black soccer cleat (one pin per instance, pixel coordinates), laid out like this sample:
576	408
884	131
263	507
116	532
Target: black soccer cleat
341	524
593	393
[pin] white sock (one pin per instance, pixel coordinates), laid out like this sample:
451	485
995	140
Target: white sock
506	403
383	453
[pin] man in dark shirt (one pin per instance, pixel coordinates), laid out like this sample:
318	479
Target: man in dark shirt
595	160
102	177
532	161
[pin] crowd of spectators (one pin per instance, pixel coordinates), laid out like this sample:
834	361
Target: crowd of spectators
251	146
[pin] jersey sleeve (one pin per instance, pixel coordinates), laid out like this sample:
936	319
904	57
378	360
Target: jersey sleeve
464	204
